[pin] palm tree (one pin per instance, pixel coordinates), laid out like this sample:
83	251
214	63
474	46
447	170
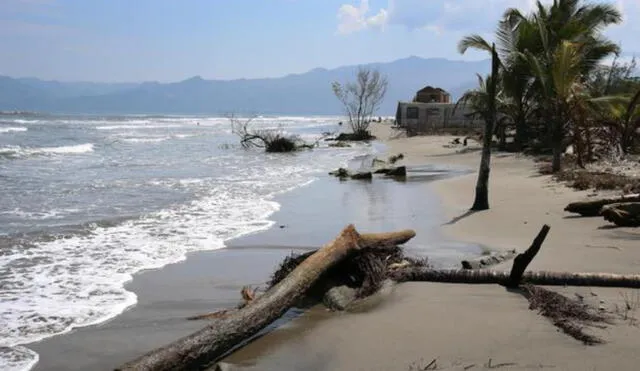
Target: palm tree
621	114
529	47
516	81
565	47
484	101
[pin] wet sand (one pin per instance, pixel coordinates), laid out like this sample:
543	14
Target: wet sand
309	217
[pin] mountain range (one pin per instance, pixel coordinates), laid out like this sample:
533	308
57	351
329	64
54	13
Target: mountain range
307	93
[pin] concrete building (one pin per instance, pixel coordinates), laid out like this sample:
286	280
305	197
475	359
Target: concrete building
432	111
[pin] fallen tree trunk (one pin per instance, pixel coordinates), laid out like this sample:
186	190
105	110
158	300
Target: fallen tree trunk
626	214
503	278
204	347
593	207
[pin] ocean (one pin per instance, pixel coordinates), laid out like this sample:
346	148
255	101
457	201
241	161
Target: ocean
88	201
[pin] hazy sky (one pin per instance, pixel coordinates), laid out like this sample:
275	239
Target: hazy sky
169	40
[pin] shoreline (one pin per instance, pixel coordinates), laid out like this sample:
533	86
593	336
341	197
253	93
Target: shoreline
397	333
310	216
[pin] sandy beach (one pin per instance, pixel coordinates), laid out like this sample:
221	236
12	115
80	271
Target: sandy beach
449	327
460	327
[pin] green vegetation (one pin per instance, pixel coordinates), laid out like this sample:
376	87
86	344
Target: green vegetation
552	86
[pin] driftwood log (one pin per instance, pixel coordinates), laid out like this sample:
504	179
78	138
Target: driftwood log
593	207
206	346
624	214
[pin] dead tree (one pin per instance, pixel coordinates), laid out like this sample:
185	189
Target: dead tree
203	348
361	99
272	140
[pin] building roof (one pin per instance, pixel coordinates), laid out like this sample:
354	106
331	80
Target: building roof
431	89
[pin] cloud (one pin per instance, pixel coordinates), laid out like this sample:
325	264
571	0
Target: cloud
353	19
438	16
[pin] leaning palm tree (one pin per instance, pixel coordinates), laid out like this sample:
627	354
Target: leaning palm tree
483	102
513	38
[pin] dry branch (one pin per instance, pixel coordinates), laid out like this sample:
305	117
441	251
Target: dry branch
569	315
521	262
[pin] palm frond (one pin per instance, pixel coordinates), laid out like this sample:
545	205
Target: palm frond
473	42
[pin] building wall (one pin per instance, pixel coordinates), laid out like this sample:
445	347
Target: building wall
434	116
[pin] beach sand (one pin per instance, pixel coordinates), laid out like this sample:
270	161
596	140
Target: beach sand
478	326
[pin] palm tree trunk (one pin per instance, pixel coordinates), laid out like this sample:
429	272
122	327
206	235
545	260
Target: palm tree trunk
557	136
481	201
502	146
521	134
469	276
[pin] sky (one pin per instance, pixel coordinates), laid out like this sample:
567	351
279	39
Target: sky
171	40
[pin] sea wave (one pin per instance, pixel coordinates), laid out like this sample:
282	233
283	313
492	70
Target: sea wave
155	139
12	129
145	140
14	151
139	126
54	286
23	121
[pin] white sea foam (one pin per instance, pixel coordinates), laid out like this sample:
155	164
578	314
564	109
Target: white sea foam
145	140
153	139
79	281
14	151
22	121
17	358
78	148
143	126
12	129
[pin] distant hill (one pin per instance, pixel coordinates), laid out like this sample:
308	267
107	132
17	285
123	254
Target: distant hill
307	93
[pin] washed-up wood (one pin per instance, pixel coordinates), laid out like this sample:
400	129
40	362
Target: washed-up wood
469	276
203	348
625	214
593	207
517	275
521	262
485	261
